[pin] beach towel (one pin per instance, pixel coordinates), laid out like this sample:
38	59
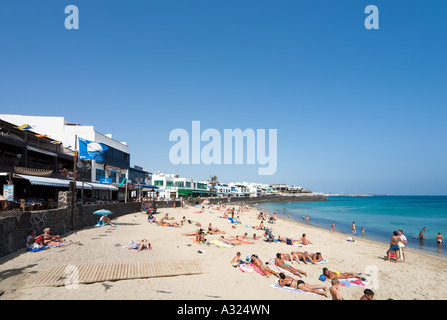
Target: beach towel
36	249
221	244
324	261
302	245
258	270
243	268
231	220
351	282
59	245
271	264
277	286
131	245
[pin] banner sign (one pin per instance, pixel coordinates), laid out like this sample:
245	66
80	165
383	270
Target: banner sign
8	192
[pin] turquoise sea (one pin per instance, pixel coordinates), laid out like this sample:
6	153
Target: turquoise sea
379	215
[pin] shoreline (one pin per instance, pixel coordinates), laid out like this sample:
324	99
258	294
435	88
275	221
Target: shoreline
419	278
377	239
357	238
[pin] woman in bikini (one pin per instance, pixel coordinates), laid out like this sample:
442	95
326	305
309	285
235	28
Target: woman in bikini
339	275
301	256
279	262
257	262
286	281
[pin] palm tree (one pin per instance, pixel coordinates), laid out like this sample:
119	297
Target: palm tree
214	181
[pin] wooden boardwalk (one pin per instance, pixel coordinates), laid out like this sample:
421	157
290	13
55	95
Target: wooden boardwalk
111	271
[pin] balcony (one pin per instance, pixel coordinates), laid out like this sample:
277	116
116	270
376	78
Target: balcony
61	171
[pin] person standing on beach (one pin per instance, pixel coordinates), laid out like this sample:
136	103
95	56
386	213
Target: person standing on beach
333	226
363	232
403	241
394	247
354	232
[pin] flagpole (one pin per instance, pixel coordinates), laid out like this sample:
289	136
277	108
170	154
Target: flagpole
73	196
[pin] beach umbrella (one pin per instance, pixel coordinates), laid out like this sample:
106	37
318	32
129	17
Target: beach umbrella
198	206
103	212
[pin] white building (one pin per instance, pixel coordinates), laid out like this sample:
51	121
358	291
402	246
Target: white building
116	162
173	186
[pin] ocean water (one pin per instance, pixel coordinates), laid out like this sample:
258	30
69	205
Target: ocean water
379	215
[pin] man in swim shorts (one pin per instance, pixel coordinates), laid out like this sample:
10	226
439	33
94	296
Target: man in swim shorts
394	247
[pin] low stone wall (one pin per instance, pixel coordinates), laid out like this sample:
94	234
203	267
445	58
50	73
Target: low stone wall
15	225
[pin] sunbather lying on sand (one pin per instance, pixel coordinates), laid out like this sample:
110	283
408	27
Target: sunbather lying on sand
241	239
144	243
315	256
339	275
302	256
212	230
279	262
286	281
229	241
168	224
267	271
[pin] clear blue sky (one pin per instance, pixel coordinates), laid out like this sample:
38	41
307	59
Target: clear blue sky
357	110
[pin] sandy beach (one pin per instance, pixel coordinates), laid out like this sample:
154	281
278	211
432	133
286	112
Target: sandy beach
421	277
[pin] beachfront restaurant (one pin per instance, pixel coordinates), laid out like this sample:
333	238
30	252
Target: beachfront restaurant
37	193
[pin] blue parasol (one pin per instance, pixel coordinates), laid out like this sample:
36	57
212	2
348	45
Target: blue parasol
198	206
103	212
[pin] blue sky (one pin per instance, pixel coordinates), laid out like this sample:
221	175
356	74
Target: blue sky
357	110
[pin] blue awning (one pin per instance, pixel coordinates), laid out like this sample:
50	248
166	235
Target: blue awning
43	181
146	186
52	182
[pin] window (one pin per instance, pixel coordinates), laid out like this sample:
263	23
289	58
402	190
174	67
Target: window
180	184
100	174
158	183
113	176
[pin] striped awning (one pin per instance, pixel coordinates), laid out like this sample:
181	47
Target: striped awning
53	182
43	181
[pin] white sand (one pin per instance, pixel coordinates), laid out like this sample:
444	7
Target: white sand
421	277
